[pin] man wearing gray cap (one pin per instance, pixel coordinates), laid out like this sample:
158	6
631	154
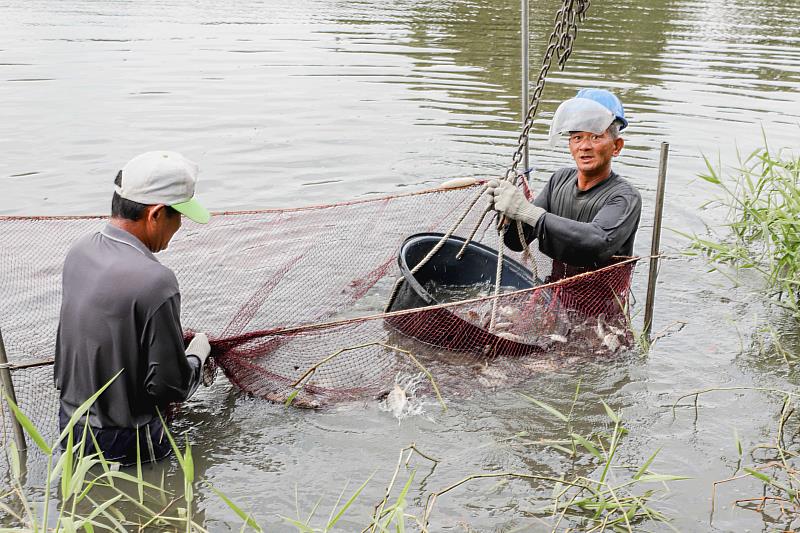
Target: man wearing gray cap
120	311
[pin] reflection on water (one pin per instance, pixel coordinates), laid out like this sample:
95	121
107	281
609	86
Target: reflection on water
319	100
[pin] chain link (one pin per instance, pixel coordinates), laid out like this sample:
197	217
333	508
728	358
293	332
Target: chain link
565	30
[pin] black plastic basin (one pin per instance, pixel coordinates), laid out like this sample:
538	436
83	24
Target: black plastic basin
440	327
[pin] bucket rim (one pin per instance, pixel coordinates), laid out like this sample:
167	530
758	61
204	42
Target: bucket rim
410	278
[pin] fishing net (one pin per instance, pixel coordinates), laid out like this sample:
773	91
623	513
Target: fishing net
293	302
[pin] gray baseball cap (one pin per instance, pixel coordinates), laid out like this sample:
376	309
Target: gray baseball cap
163	177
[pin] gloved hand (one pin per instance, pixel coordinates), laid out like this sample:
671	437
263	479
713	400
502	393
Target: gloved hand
509	201
199	347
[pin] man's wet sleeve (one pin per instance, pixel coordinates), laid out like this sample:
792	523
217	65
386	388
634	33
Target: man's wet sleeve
512	240
170	375
589	244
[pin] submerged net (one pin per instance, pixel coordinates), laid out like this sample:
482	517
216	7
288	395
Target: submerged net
293	301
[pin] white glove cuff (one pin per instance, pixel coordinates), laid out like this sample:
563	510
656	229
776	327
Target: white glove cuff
529	213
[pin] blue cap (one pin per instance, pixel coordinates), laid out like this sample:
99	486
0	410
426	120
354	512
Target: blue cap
607	100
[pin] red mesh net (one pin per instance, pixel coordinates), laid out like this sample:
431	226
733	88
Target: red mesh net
293	299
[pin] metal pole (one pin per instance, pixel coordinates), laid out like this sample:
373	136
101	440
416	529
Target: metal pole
525	78
8	389
656	242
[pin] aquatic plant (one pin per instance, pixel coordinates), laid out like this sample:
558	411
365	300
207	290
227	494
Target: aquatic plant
597	502
775	463
612	497
762	198
93	493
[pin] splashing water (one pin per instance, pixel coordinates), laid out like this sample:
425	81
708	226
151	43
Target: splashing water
402	400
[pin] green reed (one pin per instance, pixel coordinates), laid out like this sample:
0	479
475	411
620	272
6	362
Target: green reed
616	496
762	197
93	493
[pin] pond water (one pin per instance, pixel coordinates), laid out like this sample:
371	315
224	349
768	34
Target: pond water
312	101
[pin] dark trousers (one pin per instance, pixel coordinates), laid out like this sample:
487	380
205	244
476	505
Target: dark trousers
119	444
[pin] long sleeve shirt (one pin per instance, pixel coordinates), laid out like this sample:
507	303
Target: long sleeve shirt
120	310
583	228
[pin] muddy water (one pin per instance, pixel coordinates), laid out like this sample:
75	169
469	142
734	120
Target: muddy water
286	103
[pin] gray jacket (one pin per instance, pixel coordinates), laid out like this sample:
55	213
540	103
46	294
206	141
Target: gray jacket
583	228
120	310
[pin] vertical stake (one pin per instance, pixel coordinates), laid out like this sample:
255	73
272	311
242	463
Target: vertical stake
525	34
656	241
7	387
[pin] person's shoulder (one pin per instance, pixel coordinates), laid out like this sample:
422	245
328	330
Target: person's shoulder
151	285
82	247
84	242
562	177
161	276
564	174
623	187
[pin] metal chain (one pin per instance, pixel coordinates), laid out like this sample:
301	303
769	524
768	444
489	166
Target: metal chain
560	43
565	30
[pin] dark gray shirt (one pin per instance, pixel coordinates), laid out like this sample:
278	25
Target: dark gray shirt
120	310
583	228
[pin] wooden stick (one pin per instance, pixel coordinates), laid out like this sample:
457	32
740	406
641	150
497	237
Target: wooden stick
656	241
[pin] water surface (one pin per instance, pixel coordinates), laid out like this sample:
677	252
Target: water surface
312	101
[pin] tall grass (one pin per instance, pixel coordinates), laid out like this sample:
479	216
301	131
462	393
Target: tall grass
93	493
762	198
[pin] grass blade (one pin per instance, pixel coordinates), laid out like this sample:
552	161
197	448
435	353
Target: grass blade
550	409
248	519
30	429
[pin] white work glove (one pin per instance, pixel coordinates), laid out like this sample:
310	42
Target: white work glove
199	347
509	201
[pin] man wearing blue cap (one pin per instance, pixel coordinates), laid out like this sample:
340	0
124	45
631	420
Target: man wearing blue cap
585	214
120	314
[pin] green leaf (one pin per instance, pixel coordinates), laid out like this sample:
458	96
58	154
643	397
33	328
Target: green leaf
291	397
68	456
83	467
30	429
588	445
189	462
101	509
296	523
738	442
178	454
646	465
67	525
124	476
610	412
552	410
760	475
13	452
349	503
652	478
711	179
248	519
560	448
84	408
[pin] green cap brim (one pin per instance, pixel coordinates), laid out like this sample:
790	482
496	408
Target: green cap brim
193	210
